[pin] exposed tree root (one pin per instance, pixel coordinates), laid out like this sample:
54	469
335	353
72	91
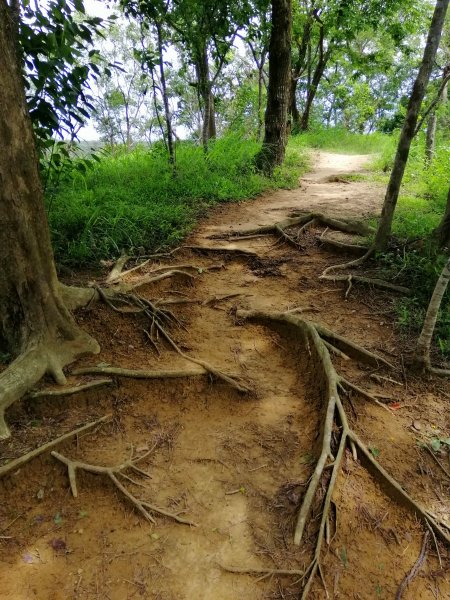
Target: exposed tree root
117	268
371	281
341	246
415	569
222	250
15	464
333	444
69	391
159	320
47	357
305	220
265	572
115	474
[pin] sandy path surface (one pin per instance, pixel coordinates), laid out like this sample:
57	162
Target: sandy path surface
235	464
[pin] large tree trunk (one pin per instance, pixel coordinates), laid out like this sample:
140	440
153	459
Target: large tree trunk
409	126
36	329
442	232
278	92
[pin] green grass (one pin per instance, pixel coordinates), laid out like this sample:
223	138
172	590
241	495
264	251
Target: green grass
134	200
343	141
419	210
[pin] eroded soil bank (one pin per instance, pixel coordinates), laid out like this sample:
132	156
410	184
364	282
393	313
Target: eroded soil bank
236	465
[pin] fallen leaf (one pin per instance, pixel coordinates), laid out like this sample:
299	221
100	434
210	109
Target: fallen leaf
374	451
436	444
395	405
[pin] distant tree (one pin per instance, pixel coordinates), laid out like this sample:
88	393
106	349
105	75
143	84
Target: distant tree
120	110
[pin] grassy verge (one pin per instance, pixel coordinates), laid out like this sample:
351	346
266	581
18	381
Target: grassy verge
135	201
420	207
343	141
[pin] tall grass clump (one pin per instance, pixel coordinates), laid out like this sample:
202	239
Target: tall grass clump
137	201
336	139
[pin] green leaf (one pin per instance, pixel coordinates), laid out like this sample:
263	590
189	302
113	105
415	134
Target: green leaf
436	444
374	451
57	519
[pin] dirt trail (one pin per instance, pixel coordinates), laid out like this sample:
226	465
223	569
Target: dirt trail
236	464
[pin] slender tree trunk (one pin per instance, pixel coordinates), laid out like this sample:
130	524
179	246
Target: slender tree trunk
35	326
299	67
422	356
260	95
442	232
316	79
205	91
278	92
432	123
430	141
409	126
293	110
162	75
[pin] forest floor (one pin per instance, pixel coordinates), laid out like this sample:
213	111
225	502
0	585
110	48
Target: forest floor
235	464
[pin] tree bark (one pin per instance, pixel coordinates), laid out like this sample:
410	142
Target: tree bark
35	326
430	141
205	91
279	88
409	126
442	232
422	356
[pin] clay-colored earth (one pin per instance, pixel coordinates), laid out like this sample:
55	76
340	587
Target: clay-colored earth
236	465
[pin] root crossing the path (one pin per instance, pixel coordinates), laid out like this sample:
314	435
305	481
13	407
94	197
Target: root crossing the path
264	438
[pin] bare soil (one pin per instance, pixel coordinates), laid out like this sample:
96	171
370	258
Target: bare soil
235	464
